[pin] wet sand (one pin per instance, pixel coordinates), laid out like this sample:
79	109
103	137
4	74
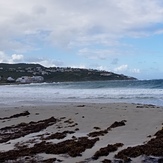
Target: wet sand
81	132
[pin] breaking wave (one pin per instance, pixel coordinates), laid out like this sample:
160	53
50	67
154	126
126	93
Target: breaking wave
138	91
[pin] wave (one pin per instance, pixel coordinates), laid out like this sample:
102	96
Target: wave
146	84
145	91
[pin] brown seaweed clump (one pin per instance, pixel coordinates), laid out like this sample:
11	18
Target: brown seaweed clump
154	147
98	133
22	129
117	124
105	131
59	135
72	147
26	113
106	150
106	161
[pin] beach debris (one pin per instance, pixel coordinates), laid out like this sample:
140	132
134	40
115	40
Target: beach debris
62	118
81	106
69	121
151	159
30	159
59	135
117	124
106	161
71	147
106	150
97	128
33	159
25	113
50	160
22	129
73	125
98	133
145	106
77	129
105	131
153	147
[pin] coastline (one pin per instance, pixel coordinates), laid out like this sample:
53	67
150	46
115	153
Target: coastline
139	124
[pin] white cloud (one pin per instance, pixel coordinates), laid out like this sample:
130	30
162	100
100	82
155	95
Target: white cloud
160	31
74	20
135	70
3	56
76	23
99	67
121	68
44	61
14	58
78	66
97	53
126	69
17	57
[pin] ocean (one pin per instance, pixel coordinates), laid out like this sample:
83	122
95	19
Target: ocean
136	91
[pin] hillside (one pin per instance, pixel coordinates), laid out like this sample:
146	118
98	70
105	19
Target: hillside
56	74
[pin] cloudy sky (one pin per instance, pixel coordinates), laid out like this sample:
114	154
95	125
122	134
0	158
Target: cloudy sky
122	36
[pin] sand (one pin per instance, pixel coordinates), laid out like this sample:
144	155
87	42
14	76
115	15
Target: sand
137	125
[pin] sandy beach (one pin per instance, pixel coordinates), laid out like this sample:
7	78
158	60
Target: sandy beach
81	132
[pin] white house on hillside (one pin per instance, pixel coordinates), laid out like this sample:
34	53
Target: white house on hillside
28	79
10	79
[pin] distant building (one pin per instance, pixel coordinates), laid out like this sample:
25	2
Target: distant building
12	69
37	79
106	74
38	68
28	79
44	73
10	80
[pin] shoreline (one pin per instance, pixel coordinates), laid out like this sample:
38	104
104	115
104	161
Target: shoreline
138	124
102	92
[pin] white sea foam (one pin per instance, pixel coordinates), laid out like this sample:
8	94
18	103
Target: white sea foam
79	92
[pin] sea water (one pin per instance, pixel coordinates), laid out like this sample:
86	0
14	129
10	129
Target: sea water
136	91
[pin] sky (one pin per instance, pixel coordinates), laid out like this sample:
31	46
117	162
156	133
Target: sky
121	36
